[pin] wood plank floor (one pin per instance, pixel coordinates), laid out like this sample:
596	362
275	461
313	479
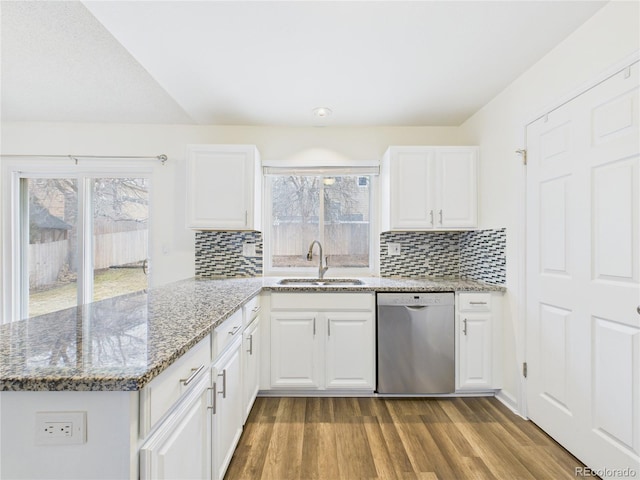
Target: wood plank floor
374	438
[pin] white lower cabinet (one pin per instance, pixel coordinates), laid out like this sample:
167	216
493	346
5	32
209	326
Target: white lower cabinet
250	366
349	343
479	340
322	341
196	437
181	446
227	407
295	350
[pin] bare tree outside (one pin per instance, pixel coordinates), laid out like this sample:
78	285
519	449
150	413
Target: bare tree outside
333	209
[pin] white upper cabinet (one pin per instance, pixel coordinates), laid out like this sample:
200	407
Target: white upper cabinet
429	188
224	187
456	187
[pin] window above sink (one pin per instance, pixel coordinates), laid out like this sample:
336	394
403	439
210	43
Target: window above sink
332	205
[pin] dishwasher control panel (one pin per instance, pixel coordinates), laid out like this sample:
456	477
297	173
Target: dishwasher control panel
416	298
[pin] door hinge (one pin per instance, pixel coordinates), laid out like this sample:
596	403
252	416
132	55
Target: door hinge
523	154
524	369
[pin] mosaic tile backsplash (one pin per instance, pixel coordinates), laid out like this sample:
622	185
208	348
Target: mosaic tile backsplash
219	254
483	255
477	255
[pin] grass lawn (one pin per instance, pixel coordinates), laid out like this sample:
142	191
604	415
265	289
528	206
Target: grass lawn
107	283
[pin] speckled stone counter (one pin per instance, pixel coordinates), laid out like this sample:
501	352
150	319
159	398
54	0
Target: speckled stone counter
116	344
378	284
124	342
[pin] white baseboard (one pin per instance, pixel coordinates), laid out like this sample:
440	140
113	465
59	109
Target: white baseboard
509	401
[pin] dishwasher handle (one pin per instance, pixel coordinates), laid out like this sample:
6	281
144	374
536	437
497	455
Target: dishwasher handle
415	307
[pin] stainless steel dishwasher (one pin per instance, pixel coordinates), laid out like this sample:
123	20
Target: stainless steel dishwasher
416	348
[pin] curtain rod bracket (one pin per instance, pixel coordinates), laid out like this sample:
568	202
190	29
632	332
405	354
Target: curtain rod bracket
163	158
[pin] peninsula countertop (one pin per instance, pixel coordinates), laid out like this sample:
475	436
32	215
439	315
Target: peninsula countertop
123	342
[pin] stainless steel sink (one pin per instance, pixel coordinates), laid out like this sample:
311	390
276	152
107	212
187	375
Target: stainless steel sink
320	281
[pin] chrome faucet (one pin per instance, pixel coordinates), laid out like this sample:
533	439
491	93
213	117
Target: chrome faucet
321	269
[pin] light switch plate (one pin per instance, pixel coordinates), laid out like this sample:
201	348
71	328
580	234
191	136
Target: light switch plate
393	249
248	249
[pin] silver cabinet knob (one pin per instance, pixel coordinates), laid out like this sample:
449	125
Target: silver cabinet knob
638	309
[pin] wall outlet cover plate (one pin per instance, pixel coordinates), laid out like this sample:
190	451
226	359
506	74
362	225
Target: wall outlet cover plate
393	249
61	428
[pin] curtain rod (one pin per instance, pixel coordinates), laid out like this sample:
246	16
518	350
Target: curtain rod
163	158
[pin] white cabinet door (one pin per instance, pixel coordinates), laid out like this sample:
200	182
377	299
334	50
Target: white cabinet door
295	350
349	351
223	187
411	194
429	188
456	188
251	366
475	351
181	445
227	412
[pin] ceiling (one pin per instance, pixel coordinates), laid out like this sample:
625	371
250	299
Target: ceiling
373	63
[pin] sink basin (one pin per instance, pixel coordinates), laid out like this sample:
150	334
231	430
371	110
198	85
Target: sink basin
320	281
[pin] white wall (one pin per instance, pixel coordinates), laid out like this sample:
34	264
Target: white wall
172	245
609	37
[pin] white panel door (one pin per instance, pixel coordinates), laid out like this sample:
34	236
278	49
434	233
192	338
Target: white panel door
583	275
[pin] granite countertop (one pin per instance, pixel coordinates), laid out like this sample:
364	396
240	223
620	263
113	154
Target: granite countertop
381	284
123	342
119	343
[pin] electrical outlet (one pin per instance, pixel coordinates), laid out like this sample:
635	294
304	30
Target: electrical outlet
61	428
248	249
393	249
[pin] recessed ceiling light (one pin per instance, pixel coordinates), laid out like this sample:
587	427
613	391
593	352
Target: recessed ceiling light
322	112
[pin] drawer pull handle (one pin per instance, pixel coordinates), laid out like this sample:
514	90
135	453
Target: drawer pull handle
255	309
194	374
234	331
477	303
224	383
464	329
250	344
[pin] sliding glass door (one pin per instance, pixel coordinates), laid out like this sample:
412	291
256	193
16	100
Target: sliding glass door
82	238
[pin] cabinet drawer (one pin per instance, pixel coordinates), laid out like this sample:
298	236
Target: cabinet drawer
251	310
165	390
475	302
226	332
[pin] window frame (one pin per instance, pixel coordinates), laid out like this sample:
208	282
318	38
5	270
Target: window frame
312	270
14	259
